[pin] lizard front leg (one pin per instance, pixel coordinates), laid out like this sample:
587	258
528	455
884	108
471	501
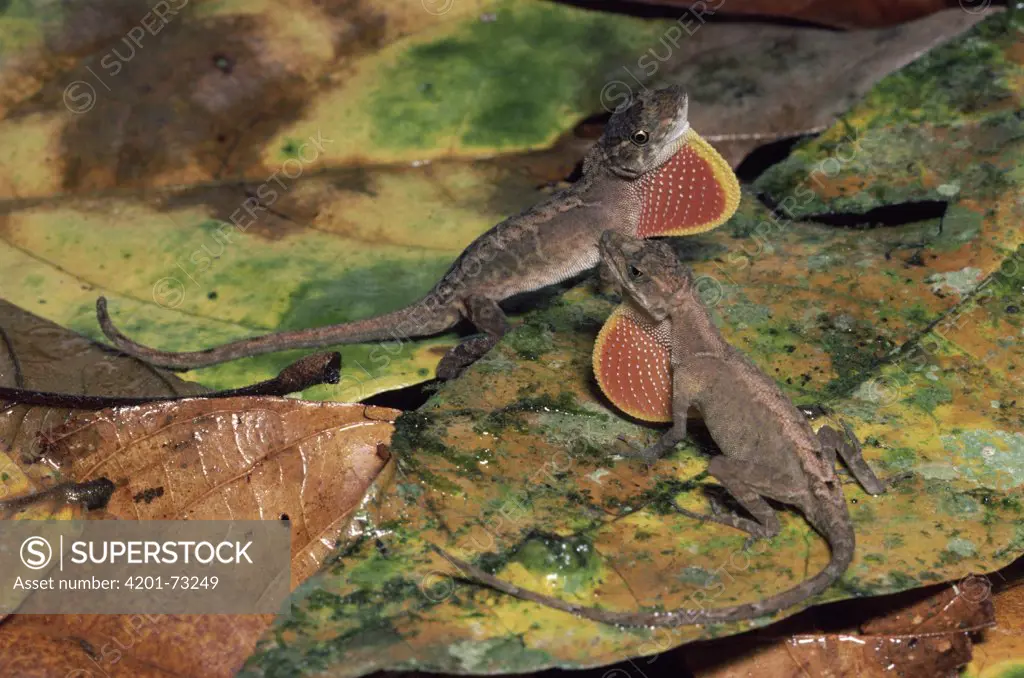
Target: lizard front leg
486	316
666	443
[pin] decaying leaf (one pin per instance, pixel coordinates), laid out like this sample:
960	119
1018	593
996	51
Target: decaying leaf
931	637
256	87
126	646
852	14
39	355
1000	653
243	458
35	353
236	458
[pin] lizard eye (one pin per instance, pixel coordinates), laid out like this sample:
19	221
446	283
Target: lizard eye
640	137
635	273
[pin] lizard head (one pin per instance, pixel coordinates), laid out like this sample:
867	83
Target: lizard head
646	132
648	272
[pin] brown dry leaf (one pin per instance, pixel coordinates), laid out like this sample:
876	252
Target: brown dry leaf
37	354
237	458
242	458
930	638
126	646
846	14
233	459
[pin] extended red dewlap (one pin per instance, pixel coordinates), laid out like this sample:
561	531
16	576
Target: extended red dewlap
694	191
632	367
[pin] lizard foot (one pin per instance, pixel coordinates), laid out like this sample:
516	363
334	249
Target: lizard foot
722	514
702	517
897	478
814	410
648	455
461	356
719	514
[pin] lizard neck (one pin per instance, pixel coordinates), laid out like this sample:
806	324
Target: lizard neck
598	185
693	330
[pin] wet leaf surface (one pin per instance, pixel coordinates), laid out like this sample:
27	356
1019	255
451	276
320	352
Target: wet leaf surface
905	330
233	459
239	458
37	354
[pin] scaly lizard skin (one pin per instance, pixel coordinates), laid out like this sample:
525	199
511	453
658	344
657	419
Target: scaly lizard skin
648	175
769	451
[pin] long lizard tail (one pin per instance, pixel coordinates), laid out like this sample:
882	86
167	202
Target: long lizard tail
841	544
417	320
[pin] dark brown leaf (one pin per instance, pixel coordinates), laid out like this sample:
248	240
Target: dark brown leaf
846	14
928	638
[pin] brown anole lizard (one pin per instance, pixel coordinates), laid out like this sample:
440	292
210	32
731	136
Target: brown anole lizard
648	175
768	449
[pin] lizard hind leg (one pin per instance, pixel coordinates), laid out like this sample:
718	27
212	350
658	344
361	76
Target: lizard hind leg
848	447
486	316
736	479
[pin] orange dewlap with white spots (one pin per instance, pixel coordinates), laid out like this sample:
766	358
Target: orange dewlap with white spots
694	191
631	362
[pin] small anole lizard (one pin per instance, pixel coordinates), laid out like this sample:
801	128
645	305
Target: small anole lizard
769	451
648	175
